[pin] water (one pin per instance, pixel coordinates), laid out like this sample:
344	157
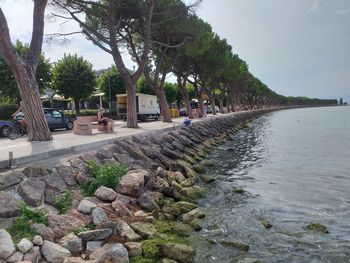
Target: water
294	168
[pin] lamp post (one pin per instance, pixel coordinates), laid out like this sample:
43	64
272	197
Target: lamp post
110	97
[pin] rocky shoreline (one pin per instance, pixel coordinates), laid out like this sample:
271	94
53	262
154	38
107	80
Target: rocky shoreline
146	218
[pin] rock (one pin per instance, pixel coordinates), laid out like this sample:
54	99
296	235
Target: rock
188	182
132	183
168	260
179	252
247	260
193	214
265	223
146	230
24	245
192	192
85	218
33	255
91	246
134	248
146	202
172	192
77	260
38	240
67	174
7	247
170	153
44	231
9	206
86	206
99	215
71	242
54	181
35	170
208	163
121	209
179	177
115	253
17	256
317	227
208	179
183	230
196	224
126	199
141	213
185	207
32	191
235	244
125	231
160	172
105	193
64	224
51	195
53	252
97	234
10	178
199	168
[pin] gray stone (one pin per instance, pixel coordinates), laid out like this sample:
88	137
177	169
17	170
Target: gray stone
168	260
38	240
17	256
54	181
86	206
67	175
77	260
35	170
121	209
24	245
115	253
146	202
134	248
32	191
192	215
126	199
53	252
192	192
105	193
185	207
235	244
71	242
179	252
51	195
125	231
8	206
132	183
10	178
160	172
99	215
146	230
64	224
44	231
7	247
33	255
91	246
97	234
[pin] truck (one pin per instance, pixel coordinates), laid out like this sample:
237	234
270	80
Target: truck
146	106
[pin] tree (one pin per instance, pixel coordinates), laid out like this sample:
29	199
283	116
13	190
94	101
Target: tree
24	70
111	82
8	86
144	87
171	92
74	78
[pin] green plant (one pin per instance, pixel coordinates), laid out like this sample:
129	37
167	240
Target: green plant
21	227
63	202
107	175
85	228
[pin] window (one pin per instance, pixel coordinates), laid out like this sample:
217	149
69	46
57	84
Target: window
57	114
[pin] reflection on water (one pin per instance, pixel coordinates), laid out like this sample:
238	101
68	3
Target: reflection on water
294	168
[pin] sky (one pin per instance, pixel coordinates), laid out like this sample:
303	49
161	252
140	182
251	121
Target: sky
297	48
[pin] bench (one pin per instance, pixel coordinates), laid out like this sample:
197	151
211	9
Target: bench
83	125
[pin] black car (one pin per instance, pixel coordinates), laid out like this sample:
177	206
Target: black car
57	120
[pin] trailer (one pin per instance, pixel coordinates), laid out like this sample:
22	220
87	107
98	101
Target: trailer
146	107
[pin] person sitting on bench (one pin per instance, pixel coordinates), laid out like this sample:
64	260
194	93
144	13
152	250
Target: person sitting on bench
102	120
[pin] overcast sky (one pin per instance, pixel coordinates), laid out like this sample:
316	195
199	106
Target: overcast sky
297	48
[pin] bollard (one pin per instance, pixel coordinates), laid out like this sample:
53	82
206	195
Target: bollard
10	159
174	126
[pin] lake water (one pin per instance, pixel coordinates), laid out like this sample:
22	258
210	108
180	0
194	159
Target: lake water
294	168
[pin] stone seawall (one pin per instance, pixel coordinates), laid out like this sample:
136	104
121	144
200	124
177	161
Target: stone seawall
160	186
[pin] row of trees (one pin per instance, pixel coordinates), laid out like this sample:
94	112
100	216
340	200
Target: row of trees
162	37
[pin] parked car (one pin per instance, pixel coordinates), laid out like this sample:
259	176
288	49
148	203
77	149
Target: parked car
4	125
183	112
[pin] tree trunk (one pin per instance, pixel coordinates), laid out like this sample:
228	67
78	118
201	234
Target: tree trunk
163	105
212	101
221	103
37	129
185	96
77	107
131	117
201	104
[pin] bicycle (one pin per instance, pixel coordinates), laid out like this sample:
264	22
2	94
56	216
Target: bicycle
16	130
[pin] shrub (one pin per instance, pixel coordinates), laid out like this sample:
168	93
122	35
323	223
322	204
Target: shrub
107	175
21	227
62	202
6	110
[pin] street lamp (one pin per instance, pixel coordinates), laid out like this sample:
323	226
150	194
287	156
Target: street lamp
110	97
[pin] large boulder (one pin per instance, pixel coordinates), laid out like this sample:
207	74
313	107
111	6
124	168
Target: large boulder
179	252
147	202
192	215
24	245
35	170
16	257
10	178
7	247
105	193
86	206
126	199
185	207
121	209
54	181
8	206
44	231
67	175
126	232
113	253
132	183
53	252
134	248
32	191
64	224
99	215
144	229
91	246
97	234
71	242
33	255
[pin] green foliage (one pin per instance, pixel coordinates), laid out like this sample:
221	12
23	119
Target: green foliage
171	92
73	77
107	175
6	110
8	86
144	87
63	202
113	80
21	227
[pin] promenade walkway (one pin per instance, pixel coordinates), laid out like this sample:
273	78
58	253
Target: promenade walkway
66	142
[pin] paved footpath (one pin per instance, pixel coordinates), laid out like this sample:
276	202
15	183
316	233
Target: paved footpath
66	142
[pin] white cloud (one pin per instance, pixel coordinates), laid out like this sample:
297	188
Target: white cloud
317	6
343	12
